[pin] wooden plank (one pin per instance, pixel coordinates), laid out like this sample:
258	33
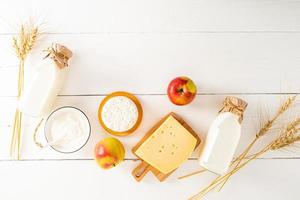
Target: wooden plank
198	115
8	81
263	179
154	16
145	63
248	46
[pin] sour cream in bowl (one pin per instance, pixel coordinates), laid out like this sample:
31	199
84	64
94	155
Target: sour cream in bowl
68	128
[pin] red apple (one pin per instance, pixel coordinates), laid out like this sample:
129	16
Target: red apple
109	152
182	91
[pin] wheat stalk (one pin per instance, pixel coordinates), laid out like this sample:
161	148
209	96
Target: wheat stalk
263	130
219	179
287	138
23	43
268	125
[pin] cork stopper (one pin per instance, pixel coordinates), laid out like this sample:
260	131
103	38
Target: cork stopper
234	105
60	54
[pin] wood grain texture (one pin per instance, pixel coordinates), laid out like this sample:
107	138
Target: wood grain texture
145	63
155	16
247	48
263	179
198	115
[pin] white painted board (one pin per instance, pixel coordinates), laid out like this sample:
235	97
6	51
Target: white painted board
246	48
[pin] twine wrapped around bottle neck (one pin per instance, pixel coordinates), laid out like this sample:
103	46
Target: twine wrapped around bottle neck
60	54
234	105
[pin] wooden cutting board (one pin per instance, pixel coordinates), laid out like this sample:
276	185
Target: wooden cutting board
143	168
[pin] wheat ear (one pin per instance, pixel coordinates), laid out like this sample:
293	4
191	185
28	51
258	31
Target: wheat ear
23	43
287	138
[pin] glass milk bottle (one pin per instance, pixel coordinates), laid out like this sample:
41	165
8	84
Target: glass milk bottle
46	83
223	136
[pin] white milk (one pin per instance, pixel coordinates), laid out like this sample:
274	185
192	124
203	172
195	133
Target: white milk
45	85
223	137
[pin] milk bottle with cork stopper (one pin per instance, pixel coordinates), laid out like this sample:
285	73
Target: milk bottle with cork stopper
46	83
223	136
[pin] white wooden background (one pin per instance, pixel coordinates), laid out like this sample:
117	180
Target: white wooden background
247	48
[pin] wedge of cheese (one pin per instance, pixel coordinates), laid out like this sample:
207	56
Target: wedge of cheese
168	147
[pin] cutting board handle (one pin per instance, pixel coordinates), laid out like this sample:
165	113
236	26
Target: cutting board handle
140	171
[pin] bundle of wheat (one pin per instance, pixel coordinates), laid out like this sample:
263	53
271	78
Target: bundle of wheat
23	43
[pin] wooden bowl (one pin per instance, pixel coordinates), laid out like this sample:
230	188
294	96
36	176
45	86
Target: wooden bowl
135	101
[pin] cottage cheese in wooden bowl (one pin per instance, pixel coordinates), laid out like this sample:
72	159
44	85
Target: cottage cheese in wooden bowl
120	113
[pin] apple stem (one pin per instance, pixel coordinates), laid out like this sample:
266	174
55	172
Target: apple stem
181	90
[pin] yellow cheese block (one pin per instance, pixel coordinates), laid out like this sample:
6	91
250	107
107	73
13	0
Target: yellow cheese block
168	147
